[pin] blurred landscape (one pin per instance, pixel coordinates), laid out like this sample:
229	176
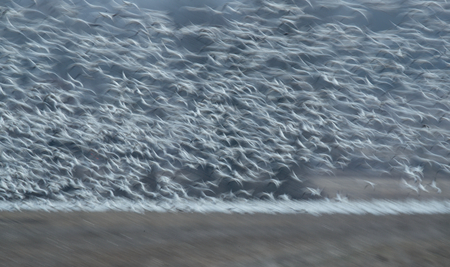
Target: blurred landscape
224	133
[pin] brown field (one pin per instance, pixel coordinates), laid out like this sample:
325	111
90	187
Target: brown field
188	239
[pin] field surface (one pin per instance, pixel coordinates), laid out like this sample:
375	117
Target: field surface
192	239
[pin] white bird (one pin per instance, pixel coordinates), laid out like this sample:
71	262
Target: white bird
276	182
340	198
315	192
247	193
413	188
369	183
266	195
295	177
434	186
284	197
421	187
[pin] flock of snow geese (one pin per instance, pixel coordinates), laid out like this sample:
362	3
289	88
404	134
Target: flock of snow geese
244	99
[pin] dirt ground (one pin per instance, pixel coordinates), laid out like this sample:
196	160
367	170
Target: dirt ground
189	239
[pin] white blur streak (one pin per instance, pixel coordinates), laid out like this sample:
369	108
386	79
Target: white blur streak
316	208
